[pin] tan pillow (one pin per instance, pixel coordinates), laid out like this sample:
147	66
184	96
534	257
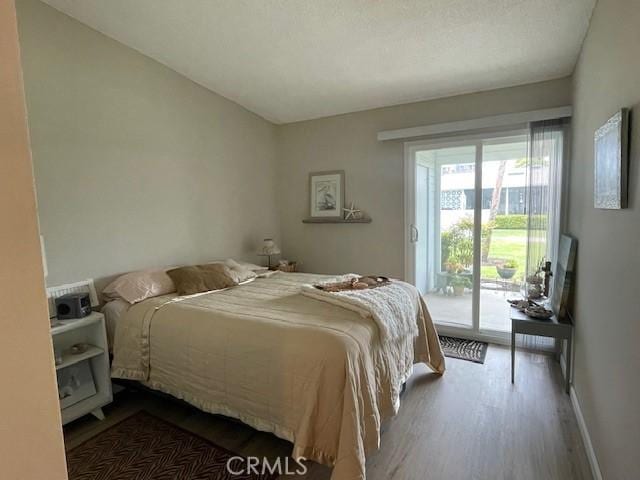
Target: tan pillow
134	287
201	278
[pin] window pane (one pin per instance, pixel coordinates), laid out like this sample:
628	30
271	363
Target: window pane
504	229
449	210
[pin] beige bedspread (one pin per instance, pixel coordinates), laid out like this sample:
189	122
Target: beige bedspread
307	371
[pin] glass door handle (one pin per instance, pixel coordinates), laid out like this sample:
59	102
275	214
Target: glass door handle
414	234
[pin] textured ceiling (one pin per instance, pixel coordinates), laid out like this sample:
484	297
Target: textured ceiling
290	60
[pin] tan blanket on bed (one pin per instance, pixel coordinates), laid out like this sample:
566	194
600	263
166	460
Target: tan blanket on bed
308	371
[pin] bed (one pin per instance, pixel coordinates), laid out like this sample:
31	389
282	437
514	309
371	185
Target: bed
308	371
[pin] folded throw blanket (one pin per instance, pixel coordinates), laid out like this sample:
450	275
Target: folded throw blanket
391	306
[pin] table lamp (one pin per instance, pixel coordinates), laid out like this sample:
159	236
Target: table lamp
269	248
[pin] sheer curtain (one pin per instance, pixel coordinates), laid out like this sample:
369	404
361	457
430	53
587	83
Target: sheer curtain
544	191
544	200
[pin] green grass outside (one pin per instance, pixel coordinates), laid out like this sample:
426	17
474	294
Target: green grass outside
507	245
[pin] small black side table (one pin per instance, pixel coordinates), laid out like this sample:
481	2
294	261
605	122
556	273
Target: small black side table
521	323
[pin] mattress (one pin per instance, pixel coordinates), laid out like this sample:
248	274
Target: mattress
306	370
113	311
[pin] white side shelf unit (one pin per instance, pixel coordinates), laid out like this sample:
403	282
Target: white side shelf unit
89	330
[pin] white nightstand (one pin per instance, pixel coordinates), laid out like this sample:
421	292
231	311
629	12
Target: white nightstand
90	330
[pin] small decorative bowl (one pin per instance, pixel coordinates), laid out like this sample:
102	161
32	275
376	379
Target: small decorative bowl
78	348
539	313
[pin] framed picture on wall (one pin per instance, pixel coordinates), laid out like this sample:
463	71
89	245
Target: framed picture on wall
611	162
326	194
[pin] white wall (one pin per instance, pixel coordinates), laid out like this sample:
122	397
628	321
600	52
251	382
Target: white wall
135	165
374	174
607	356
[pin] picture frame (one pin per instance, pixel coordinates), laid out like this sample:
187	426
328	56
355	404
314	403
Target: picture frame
75	383
326	194
611	162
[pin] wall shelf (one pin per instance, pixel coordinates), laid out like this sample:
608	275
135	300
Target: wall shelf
335	220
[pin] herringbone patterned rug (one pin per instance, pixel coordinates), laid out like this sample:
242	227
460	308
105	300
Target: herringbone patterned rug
470	350
144	447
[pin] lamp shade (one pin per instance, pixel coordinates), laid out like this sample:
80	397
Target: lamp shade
269	247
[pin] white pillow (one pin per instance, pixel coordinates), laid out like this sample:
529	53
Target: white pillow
136	286
249	266
239	272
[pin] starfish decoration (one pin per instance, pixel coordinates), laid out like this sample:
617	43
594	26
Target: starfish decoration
351	212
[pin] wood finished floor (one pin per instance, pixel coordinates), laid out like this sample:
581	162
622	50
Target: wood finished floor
470	424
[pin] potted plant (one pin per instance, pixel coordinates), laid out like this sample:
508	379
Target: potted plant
459	283
508	269
453	267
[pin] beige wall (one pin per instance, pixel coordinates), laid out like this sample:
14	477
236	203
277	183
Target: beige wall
607	358
31	445
374	174
135	165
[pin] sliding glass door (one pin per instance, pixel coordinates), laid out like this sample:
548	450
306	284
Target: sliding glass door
445	231
503	237
468	228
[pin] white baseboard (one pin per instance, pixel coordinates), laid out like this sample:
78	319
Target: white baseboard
586	439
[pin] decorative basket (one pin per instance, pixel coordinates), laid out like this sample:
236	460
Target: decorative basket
290	267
